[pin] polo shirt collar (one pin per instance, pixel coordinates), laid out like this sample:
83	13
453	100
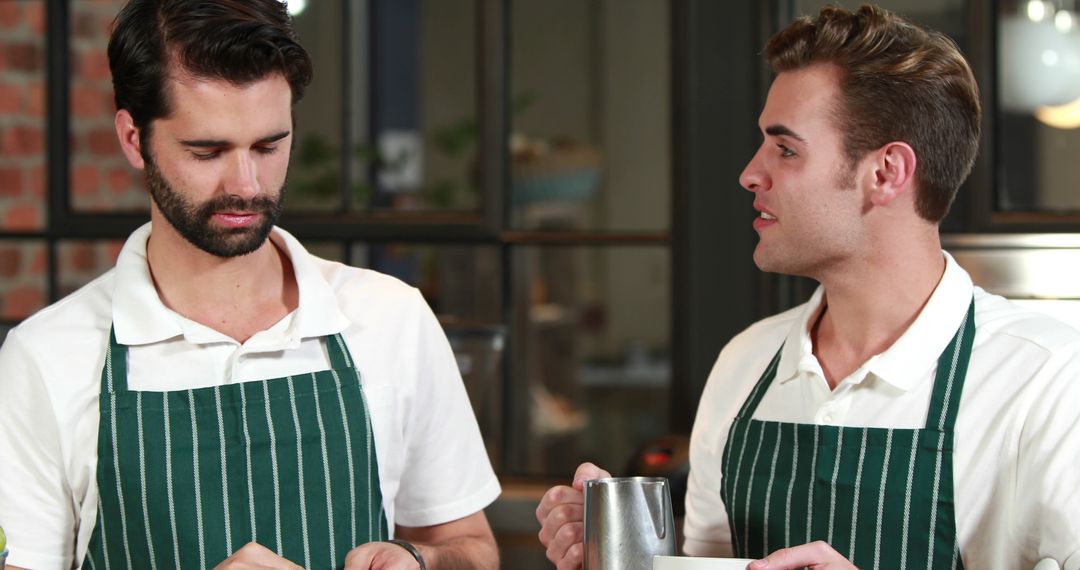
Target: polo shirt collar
911	358
907	362
139	316
798	355
318	313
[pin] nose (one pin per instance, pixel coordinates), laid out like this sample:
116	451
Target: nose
754	177
242	179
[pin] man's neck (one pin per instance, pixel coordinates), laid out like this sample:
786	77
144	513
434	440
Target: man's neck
236	296
867	310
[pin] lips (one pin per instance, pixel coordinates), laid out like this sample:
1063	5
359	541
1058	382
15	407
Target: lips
236	219
764	218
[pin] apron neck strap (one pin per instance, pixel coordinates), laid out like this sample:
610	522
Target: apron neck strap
951	371
114	374
338	352
762	386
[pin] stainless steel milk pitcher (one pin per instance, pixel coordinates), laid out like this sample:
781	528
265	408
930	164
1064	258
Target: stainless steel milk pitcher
628	520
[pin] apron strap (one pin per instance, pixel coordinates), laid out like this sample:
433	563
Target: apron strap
338	352
951	371
114	373
751	403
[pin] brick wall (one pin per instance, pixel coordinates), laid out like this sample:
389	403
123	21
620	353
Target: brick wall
100	177
22	278
22	115
82	261
22	155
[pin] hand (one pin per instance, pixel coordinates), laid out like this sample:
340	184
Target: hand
816	556
561	514
380	556
256	556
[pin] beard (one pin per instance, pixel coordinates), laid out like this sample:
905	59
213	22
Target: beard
193	221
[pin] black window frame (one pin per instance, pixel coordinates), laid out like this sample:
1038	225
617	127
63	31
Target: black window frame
486	227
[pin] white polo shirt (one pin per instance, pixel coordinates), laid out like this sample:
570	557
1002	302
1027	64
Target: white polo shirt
1016	458
433	467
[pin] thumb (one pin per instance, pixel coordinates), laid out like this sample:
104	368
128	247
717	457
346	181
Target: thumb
588	471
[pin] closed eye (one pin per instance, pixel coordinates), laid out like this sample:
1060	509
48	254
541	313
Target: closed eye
206	155
267	150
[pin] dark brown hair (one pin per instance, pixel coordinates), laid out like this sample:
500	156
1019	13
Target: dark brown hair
240	41
898	82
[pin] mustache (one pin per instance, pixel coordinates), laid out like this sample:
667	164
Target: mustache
232	202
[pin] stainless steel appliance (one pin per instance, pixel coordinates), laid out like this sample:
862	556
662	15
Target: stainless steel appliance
1039	271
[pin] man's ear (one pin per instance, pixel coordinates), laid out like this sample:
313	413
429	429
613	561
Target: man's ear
894	173
128	134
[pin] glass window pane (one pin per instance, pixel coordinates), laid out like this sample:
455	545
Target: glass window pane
411	127
315	172
461	283
591	368
22	115
446	109
479	350
421	100
591	141
82	261
101	178
23	270
1039	115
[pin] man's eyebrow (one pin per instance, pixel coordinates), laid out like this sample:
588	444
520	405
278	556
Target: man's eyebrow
274	137
216	143
782	131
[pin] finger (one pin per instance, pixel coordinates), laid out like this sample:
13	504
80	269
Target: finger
359	557
565	538
559	516
587	471
573	559
255	555
373	555
816	554
554	497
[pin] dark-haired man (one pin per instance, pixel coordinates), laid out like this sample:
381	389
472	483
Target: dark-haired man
901	418
221	397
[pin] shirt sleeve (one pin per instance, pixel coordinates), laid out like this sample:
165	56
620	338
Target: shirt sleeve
1047	491
447	474
36	508
705	529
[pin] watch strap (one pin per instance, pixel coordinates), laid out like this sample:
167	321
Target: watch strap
412	550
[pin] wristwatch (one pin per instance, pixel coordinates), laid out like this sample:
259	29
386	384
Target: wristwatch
412	550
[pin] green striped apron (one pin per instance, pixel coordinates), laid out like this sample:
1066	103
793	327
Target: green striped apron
881	497
188	477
